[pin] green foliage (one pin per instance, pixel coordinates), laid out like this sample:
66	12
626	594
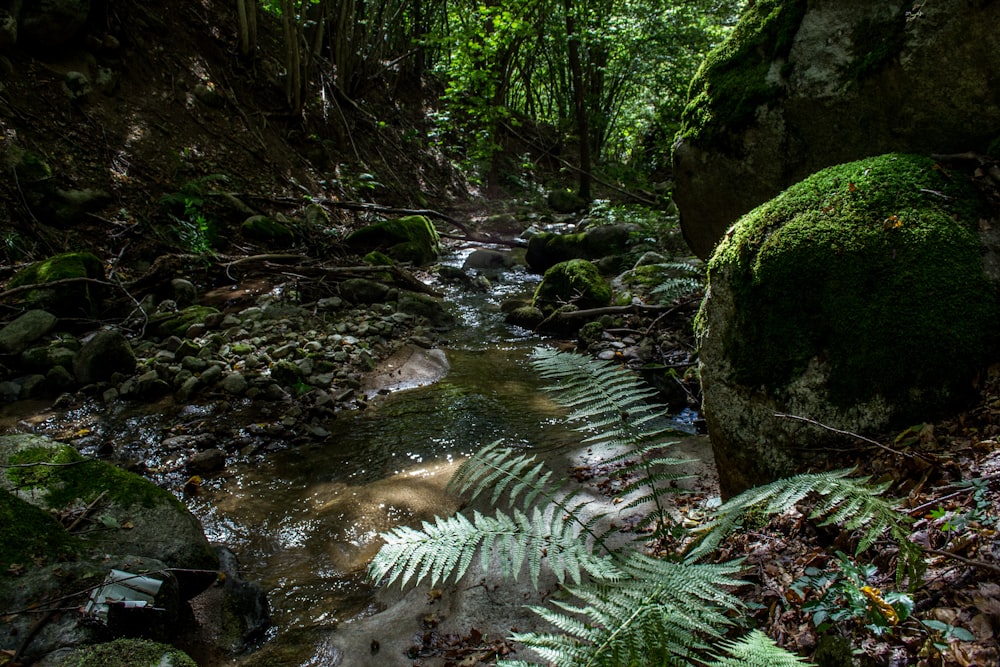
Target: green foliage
192	226
623	607
845	594
756	649
658	614
853	503
685	280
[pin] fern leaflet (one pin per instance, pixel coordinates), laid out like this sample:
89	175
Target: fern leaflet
853	503
755	649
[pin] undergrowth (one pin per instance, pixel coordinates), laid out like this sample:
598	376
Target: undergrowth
621	606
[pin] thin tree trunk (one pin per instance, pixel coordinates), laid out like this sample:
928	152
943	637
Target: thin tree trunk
579	104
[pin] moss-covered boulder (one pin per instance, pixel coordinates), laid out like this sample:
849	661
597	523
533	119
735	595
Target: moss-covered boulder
410	239
802	85
266	230
129	653
576	282
64	299
858	298
545	250
136	516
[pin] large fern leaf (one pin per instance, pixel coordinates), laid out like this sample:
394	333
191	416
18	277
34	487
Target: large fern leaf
613	406
755	649
660	614
445	549
852	502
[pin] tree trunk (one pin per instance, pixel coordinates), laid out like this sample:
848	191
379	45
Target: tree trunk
579	103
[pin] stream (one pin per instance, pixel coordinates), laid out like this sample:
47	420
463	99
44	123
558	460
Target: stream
304	521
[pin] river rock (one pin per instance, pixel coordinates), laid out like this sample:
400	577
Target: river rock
138	517
105	353
75	298
576	281
799	86
483	259
426	306
546	249
858	298
408	239
26	329
65	637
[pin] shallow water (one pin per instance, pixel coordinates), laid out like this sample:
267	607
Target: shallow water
304	522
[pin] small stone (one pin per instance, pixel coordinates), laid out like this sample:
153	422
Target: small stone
210	460
234	383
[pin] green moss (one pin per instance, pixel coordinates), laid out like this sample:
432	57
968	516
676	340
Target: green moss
130	653
873	266
733	80
60	267
577	281
85	480
876	43
176	324
32	169
29	533
263	228
408	239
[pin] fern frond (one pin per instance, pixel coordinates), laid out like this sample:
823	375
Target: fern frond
755	649
854	503
612	405
445	549
685	280
658	615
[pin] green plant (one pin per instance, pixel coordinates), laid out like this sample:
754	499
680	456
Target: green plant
853	503
193	227
682	280
622	606
846	594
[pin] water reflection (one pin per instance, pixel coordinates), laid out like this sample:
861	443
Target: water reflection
305	521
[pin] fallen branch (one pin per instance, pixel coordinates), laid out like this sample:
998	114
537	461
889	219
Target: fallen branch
908	455
979	564
54	283
590	313
405	278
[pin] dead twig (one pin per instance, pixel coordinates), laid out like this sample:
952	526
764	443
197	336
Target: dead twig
978	564
874	443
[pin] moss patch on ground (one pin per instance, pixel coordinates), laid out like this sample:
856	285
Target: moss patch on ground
130	653
873	266
733	80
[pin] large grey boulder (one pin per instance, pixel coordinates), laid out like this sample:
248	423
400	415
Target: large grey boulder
800	86
863	298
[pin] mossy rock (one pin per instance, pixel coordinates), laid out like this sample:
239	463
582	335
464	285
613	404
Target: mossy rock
31	535
141	518
565	201
577	281
267	230
410	239
545	250
734	80
129	653
65	299
177	323
856	298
